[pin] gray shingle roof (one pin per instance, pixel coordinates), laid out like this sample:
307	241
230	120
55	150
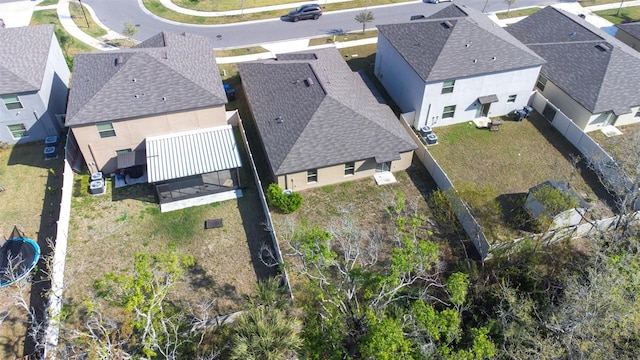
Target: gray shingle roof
598	79
23	57
632	29
457	42
312	113
166	73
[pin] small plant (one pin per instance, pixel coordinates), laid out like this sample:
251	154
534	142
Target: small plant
285	202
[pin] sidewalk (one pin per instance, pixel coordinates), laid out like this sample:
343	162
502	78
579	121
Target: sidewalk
70	26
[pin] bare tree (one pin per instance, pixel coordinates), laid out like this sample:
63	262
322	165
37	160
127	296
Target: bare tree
510	3
129	30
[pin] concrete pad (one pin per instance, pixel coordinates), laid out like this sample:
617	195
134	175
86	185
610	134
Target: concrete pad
610	131
384	178
18	13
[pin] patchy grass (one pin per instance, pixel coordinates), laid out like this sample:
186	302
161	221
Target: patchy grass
70	46
517	13
158	9
48	2
625	148
240	51
126	221
341	37
587	3
506	163
30	200
627	14
85	23
222	5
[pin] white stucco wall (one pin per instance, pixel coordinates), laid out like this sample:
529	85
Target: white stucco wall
402	83
411	93
467	90
580	115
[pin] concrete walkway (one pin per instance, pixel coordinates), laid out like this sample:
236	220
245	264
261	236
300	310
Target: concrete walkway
64	15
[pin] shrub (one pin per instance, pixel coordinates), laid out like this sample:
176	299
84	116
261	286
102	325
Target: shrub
285	202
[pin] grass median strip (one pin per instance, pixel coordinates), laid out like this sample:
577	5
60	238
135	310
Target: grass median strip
627	14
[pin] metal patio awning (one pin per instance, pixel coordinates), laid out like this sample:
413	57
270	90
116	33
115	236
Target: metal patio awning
488	99
191	153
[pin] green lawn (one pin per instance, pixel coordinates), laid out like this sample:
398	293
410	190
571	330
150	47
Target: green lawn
627	14
623	148
85	23
158	9
222	5
502	165
30	200
70	46
517	13
240	51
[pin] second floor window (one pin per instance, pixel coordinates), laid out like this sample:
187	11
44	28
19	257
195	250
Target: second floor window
447	86
512	98
542	82
106	130
12	102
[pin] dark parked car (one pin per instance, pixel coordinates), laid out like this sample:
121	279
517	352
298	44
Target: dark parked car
309	11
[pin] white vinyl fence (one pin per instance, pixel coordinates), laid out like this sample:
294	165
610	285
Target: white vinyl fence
265	208
469	223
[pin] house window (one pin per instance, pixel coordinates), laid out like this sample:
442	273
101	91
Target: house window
382	167
106	130
448	111
549	112
542	82
512	98
12	102
447	86
18	131
123	151
349	168
312	176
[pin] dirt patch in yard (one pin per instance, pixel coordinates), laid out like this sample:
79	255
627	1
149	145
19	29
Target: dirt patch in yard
106	231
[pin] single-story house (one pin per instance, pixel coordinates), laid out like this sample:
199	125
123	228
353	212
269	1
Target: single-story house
320	123
157	110
589	75
629	33
34	79
454	66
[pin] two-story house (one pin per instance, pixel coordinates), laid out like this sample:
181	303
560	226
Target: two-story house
33	84
454	66
157	110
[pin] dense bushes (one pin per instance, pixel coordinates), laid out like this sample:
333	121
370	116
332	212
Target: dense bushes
286	202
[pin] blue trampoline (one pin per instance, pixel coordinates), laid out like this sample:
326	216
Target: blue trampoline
18	256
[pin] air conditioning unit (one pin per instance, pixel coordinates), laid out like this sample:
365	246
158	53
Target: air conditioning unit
431	139
97	187
97	176
425	130
50	152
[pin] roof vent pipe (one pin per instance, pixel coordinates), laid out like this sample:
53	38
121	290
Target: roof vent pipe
308	82
448	24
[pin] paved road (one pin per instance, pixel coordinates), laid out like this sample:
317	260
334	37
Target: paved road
114	13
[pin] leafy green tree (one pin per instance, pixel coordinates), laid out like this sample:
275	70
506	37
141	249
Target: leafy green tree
364	17
129	30
385	340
